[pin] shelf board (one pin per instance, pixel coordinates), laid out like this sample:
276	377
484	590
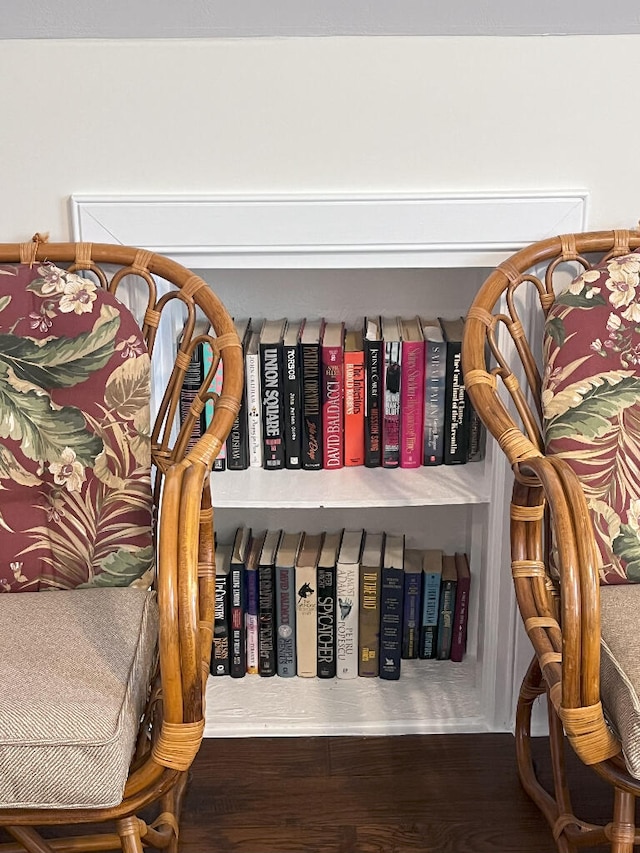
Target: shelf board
441	485
431	697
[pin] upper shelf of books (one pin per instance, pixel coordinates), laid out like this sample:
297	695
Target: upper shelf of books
352	487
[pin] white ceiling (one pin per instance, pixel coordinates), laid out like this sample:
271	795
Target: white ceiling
22	19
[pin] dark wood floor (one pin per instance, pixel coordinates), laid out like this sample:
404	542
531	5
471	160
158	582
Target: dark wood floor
433	794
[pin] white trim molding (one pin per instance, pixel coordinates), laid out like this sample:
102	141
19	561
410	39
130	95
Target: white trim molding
330	231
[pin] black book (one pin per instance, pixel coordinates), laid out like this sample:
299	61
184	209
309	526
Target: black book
374	372
311	363
267	663
392	349
220	658
238	439
456	416
411	608
327	604
391	600
271	385
447	607
292	382
237	602
192	383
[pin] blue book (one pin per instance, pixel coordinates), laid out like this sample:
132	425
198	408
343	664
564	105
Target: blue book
252	611
412	603
447	607
431	579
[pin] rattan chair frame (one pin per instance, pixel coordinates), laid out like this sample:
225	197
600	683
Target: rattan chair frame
173	725
561	611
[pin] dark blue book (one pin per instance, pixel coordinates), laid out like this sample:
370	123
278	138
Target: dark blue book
253	596
237	603
286	604
267	605
411	603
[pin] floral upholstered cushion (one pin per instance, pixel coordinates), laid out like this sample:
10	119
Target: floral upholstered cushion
591	403
75	493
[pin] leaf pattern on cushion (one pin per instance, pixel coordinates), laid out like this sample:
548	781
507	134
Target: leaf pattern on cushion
74	423
591	394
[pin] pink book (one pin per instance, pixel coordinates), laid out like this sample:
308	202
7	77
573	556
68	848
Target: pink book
332	354
412	395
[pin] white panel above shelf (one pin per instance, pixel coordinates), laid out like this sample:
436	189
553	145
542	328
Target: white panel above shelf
472	229
352	487
431	697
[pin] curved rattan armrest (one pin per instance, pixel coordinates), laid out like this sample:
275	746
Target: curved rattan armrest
561	615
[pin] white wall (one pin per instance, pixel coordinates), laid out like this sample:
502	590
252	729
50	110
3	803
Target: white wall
316	115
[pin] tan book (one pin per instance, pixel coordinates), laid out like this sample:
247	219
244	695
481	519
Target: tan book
348	581
369	610
307	604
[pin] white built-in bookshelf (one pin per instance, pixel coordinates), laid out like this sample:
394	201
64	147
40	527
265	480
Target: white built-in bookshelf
342	257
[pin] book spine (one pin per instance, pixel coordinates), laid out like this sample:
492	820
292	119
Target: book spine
391	416
285	622
306	621
266	620
238	664
412	404
430	611
272	407
369	623
411	615
455	448
390	623
254	410
251	621
292	406
237	441
445	621
220	660
326	663
332	410
460	619
311	408
347	577
373	404
220	462
477	435
434	404
192	382
354	401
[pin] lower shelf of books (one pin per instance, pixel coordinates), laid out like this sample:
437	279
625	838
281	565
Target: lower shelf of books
431	697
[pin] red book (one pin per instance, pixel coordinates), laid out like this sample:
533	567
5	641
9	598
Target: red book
412	395
332	395
461	612
354	398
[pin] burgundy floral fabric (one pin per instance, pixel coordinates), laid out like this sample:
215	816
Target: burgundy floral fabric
591	403
75	492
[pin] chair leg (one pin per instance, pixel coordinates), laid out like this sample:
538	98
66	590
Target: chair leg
622	830
129	832
172	805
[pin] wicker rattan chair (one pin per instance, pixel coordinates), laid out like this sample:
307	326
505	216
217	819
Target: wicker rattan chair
38	770
568	563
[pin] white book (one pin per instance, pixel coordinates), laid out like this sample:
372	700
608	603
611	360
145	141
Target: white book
254	401
347	585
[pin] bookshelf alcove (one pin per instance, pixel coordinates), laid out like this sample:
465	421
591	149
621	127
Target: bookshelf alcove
342	257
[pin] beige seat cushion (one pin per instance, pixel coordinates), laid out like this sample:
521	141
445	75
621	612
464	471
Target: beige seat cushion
74	671
620	667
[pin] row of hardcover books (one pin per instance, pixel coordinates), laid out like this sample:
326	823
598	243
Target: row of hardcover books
317	395
340	604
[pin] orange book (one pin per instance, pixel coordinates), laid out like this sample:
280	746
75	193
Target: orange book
354	397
